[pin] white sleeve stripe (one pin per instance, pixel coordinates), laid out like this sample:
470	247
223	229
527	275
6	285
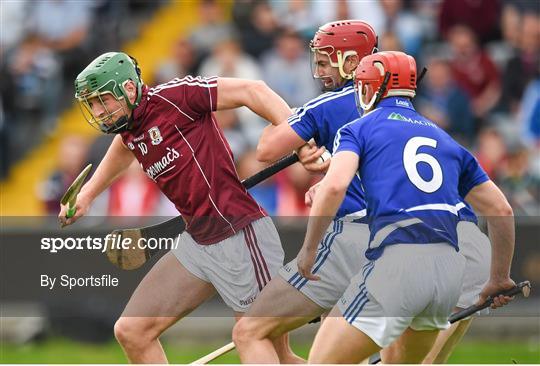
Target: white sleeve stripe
327	95
210	97
188	80
438	207
156	90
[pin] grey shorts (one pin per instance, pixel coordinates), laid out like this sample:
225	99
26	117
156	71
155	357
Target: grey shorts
410	285
239	266
340	256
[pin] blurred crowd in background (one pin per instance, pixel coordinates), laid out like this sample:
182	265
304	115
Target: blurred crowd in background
482	84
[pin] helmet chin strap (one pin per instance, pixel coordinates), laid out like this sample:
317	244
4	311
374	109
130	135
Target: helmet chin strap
383	87
341	62
123	124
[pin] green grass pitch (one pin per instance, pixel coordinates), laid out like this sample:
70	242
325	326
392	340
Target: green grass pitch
66	351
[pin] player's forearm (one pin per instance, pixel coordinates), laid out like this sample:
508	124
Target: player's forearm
488	201
502	236
114	163
275	143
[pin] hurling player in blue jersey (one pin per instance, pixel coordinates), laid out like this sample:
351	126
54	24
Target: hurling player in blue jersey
290	300
414	176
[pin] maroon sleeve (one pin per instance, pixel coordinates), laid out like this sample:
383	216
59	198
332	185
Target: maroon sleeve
194	96
201	95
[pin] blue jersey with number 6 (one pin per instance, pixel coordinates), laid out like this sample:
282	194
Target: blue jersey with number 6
413	173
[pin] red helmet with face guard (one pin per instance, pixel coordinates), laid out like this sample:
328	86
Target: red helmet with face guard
384	74
344	38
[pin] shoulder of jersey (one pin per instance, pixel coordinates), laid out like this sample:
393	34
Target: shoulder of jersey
331	95
185	81
319	101
369	116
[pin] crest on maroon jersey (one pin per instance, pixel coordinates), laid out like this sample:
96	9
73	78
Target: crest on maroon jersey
155	135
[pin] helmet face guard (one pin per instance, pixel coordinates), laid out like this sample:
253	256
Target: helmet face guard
316	58
384	74
105	123
108	75
332	54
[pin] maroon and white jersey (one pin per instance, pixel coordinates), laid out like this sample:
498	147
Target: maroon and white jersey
179	145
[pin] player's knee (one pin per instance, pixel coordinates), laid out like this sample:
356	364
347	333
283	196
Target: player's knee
245	330
129	332
239	332
124	331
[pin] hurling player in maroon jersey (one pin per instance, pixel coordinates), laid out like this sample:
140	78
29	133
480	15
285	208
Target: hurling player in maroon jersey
230	246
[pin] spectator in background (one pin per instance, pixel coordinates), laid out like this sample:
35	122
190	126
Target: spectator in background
181	63
228	60
297	15
32	85
53	48
212	28
524	6
510	25
503	49
523	67
481	16
329	11
110	22
5	159
530	116
62	26
404	24
442	101
72	157
473	70
284	67
389	42
12	19
491	151
518	184
258	27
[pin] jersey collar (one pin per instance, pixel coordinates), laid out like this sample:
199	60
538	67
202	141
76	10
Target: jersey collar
348	83
396	102
139	110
